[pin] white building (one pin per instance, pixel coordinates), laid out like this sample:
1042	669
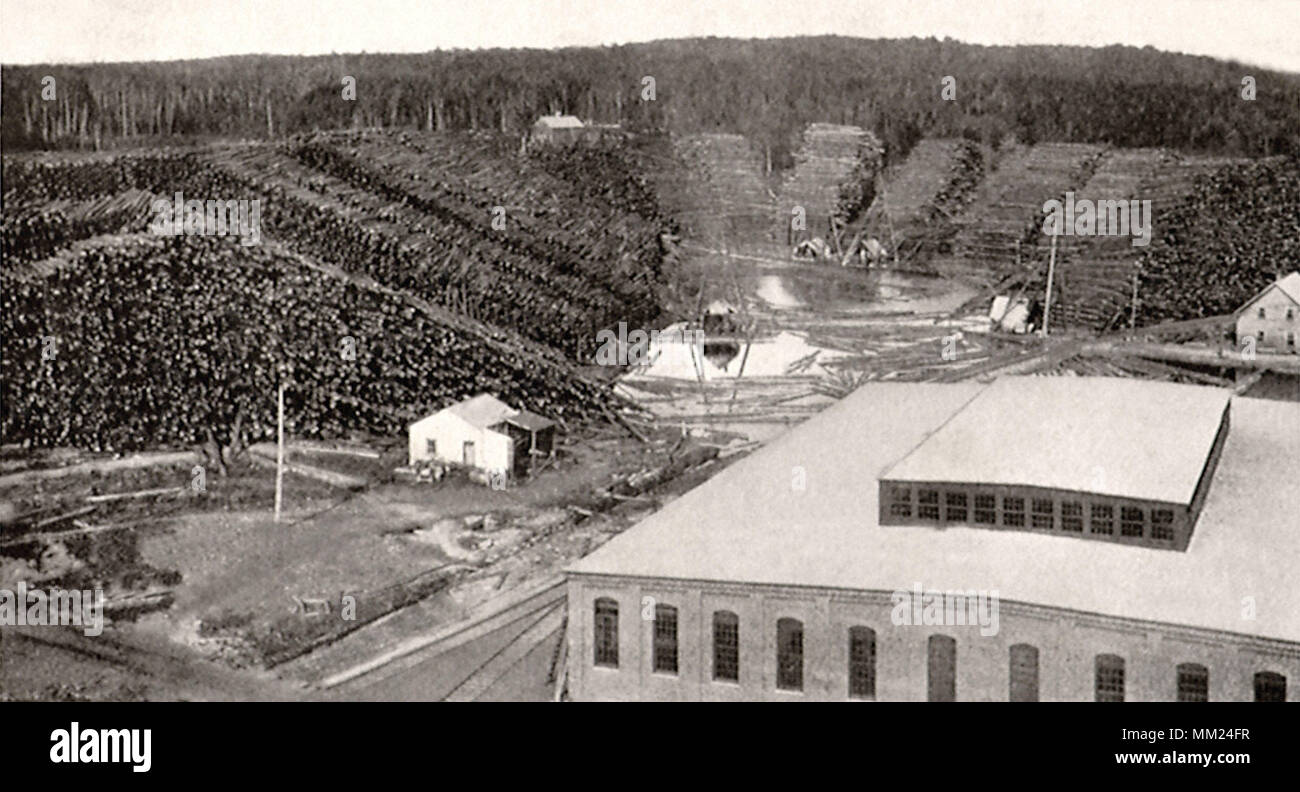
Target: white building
1272	317
558	128
482	433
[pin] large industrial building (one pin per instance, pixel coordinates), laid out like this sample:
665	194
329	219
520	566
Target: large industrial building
1130	540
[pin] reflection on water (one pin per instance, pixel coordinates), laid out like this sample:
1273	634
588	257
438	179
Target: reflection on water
720	353
836	289
675	356
772	290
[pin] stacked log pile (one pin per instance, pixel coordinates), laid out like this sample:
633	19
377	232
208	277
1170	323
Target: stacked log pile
35	233
733	201
1003	222
175	340
920	197
823	164
1094	273
1232	234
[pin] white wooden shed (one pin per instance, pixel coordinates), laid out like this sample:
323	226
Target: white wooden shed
481	433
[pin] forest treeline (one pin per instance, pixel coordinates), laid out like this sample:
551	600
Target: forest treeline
767	90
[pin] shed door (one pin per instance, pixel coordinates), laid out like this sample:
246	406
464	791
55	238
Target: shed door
469	453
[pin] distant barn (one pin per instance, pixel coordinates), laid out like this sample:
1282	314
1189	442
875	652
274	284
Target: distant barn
558	129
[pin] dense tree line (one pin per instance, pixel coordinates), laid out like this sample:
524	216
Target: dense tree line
768	90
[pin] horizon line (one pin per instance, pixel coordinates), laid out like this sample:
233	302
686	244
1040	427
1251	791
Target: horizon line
645	42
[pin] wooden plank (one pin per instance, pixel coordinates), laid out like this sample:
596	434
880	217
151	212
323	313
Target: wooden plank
137	494
61	517
137	461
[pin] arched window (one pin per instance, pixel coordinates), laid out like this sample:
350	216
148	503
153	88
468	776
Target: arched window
726	646
862	662
1193	682
606	632
1110	677
665	639
941	682
1270	686
1024	673
789	654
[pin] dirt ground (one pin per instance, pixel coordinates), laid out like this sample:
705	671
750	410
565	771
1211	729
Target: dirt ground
242	574
61	664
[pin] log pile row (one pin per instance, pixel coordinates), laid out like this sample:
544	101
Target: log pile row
591	201
34	233
1094	274
1003	222
919	198
332	220
732	202
1234	233
827	158
604	291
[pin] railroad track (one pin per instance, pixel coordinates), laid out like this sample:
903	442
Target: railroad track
536	603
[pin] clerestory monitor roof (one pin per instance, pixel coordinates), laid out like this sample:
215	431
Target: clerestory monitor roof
1101	435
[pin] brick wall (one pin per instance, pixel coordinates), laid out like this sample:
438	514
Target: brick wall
1067	644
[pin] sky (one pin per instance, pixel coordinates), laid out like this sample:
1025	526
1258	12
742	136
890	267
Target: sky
1257	32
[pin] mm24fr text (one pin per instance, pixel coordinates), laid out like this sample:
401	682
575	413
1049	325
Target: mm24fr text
1152	735
1220	734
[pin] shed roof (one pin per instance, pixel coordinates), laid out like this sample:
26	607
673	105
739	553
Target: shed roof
1104	435
749	524
530	421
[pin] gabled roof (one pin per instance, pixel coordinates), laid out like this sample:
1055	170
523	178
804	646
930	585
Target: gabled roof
485	411
482	411
560	122
1288	284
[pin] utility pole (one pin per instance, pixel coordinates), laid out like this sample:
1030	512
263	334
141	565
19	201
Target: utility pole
1051	271
884	203
279	452
1133	309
